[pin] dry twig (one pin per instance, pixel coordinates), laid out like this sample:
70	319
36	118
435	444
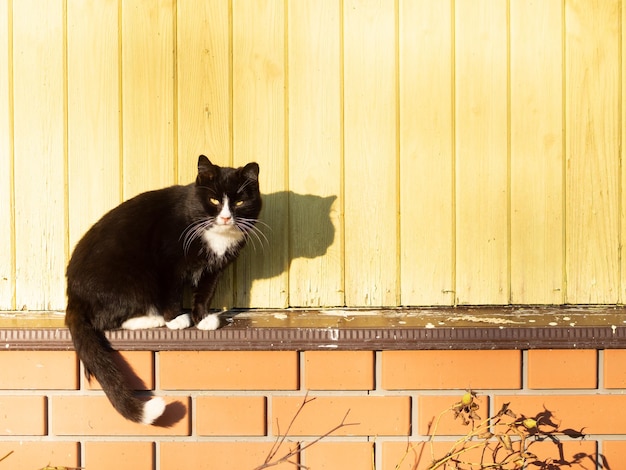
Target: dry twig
271	460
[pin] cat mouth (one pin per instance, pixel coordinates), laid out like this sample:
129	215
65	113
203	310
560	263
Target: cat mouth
226	227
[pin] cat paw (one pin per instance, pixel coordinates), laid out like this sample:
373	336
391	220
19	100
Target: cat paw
151	320
180	322
210	322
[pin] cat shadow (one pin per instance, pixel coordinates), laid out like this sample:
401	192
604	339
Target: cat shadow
174	412
291	226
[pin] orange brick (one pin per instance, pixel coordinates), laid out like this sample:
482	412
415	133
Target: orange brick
230	416
376	416
22	416
339	370
593	414
94	415
613	454
41	370
615	368
339	455
119	455
220	455
553	368
410	455
229	370
433	415
138	367
31	455
445	370
420	455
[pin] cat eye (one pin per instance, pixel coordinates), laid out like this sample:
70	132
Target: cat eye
238	203
214	201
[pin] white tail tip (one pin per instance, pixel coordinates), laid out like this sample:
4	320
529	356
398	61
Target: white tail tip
152	410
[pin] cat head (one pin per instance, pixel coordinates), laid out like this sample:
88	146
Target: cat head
235	189
230	200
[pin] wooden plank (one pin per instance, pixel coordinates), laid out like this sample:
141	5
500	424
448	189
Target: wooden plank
204	98
592	58
7	235
537	242
259	135
39	146
426	153
481	152
370	142
622	293
147	95
315	151
93	113
203	85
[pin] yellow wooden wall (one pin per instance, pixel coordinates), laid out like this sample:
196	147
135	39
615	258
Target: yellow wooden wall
412	152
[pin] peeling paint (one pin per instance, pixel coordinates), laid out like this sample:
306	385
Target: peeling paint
350	313
492	320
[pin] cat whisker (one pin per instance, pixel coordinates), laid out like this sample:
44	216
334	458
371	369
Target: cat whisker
258	222
250	236
248	228
243	186
193	232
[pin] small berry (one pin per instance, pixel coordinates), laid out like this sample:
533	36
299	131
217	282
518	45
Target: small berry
467	399
529	423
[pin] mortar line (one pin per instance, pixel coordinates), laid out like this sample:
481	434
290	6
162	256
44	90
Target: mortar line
600	373
524	371
378	371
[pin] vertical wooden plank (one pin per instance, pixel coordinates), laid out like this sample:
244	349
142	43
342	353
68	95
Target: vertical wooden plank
315	230
622	295
537	243
147	95
259	135
203	85
481	152
426	155
593	152
371	193
204	99
93	113
39	146
7	281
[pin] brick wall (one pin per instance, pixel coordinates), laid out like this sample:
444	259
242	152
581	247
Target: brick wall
227	407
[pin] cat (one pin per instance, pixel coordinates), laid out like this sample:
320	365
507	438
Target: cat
129	269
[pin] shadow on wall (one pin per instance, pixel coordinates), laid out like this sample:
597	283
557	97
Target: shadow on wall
290	226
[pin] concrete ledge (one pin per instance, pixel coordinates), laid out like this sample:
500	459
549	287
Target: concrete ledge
352	329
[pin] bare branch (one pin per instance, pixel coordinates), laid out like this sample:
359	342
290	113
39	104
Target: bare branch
271	459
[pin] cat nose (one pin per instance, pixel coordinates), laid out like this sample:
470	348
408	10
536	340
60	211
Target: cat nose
225	219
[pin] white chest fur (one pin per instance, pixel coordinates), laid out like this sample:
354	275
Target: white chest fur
220	239
223	234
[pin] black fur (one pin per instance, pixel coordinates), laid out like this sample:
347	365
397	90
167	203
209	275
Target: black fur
138	257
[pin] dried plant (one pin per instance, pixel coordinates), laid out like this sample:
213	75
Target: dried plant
273	458
61	468
501	442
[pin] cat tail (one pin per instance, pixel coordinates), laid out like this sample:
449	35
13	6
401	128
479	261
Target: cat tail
95	351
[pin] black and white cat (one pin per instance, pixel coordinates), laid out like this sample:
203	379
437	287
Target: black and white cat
129	269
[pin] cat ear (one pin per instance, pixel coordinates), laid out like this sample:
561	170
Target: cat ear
251	171
206	170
